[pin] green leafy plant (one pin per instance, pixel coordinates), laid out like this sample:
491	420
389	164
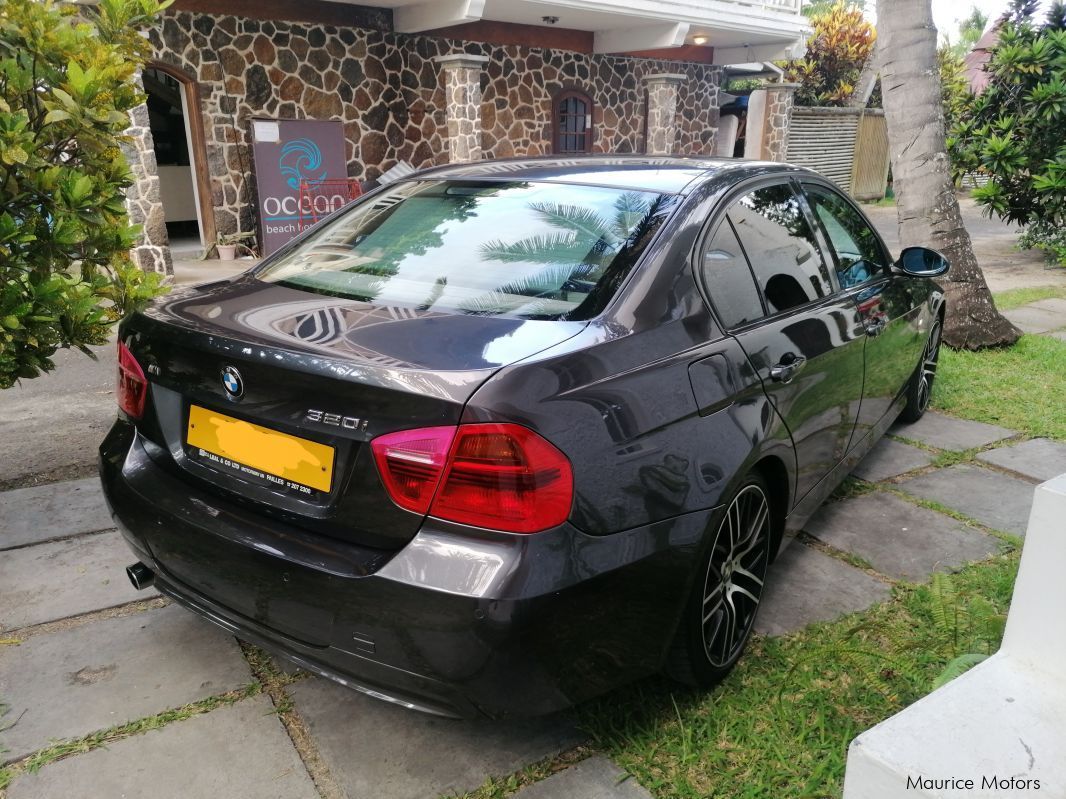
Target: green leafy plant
842	42
961	630
67	82
1012	131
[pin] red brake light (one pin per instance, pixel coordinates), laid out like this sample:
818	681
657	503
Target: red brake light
500	476
131	389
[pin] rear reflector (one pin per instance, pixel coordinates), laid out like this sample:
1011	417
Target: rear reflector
131	389
500	476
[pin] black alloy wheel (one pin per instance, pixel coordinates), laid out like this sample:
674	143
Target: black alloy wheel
920	389
721	611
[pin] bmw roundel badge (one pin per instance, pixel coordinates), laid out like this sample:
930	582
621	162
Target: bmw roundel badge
232	383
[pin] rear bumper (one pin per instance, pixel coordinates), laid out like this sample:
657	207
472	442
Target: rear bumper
458	622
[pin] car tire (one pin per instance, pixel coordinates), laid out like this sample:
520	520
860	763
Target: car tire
920	386
720	612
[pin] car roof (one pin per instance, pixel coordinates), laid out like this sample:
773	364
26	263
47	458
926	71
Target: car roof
664	174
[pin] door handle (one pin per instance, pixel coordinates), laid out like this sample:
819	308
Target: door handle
875	327
786	369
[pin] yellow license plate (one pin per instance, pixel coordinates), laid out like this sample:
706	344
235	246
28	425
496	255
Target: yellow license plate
239	443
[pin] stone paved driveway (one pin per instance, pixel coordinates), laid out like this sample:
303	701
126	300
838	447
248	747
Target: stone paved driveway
149	699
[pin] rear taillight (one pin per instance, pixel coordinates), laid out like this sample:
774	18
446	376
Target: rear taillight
500	476
131	390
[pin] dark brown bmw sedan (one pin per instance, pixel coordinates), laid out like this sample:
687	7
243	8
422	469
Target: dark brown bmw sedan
499	437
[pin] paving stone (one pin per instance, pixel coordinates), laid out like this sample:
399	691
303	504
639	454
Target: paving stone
51	581
374	748
72	682
945	432
1053	304
1037	458
32	515
805	586
1032	319
897	538
994	499
594	778
240	751
890	458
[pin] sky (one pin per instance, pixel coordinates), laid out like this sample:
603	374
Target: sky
947	13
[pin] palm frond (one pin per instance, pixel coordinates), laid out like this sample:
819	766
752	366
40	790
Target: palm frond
630	208
958	667
583	221
561	248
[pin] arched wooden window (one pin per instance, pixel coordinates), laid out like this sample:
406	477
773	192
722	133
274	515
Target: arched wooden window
572	123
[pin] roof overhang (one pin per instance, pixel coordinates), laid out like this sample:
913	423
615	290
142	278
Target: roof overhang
756	30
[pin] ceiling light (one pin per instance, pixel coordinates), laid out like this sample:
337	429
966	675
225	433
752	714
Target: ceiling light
700	40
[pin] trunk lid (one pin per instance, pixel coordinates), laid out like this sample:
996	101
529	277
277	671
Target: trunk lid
315	368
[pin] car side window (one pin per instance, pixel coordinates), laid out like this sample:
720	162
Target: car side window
859	254
729	280
781	247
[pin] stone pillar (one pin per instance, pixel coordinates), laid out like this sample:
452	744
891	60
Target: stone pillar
462	96
662	112
143	203
777	121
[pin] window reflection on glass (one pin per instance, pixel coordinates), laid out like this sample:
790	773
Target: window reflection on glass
729	281
530	250
781	247
859	255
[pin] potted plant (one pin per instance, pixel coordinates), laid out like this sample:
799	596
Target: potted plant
229	243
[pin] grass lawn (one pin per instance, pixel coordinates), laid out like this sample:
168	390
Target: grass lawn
780	725
1016	298
1021	387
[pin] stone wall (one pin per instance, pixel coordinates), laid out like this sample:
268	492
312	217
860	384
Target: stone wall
152	253
388	90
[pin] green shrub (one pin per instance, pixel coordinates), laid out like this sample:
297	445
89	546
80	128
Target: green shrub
67	81
1012	131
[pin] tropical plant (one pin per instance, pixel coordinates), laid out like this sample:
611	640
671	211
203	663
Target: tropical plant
928	210
954	87
1013	130
842	42
67	81
971	29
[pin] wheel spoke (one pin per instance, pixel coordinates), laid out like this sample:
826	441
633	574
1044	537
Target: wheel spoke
717	607
744	592
713	594
742	572
730	622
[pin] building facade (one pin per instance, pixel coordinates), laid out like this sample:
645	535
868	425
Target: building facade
453	89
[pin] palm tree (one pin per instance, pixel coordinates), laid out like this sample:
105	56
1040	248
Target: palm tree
925	194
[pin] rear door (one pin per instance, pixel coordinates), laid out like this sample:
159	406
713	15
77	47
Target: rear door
890	311
803	338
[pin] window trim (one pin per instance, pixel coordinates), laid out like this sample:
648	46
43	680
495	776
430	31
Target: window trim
557	100
719	212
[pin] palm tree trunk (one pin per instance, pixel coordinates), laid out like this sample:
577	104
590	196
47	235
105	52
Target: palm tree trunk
925	194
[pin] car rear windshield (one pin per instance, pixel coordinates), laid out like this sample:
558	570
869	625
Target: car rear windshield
519	249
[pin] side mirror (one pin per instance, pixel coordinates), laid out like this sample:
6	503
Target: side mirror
922	262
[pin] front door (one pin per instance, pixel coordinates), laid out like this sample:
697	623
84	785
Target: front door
807	345
890	310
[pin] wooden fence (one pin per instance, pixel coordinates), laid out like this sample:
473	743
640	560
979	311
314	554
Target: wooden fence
847	145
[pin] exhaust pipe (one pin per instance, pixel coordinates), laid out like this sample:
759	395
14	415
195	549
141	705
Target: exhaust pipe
140	575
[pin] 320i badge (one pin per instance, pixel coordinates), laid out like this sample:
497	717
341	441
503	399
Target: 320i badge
499	437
